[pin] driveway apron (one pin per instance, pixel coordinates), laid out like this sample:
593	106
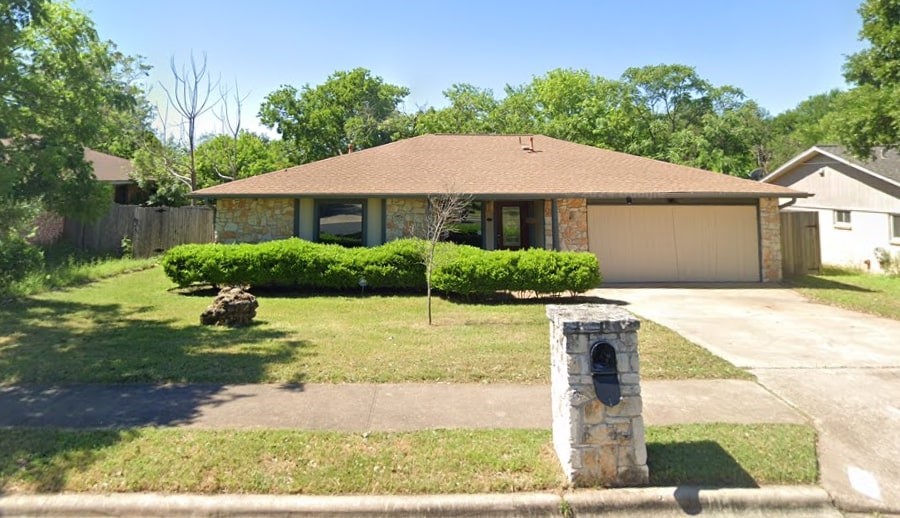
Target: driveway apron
839	367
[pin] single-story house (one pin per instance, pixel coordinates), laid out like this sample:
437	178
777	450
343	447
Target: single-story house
108	169
857	201
116	172
647	221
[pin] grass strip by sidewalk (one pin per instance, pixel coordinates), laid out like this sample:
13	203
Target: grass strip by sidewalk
130	329
437	461
865	292
666	355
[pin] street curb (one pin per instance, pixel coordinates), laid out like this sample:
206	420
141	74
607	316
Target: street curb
693	500
777	500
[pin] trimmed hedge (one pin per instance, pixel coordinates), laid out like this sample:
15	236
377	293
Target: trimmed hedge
461	270
474	271
297	263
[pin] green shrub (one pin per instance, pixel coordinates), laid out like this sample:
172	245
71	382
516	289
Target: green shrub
17	260
479	272
297	263
890	264
460	269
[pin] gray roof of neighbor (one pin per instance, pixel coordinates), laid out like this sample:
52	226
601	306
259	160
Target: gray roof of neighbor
882	162
492	165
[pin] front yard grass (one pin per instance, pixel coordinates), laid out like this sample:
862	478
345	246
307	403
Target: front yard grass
134	328
865	292
434	461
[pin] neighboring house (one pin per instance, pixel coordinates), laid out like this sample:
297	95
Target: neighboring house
116	172
858	201
109	169
647	221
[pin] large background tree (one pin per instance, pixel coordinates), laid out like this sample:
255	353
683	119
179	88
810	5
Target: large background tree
222	158
471	111
869	114
58	83
811	122
349	108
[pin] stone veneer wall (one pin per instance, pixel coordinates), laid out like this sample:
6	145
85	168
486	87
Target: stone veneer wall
253	220
770	239
573	224
596	445
405	217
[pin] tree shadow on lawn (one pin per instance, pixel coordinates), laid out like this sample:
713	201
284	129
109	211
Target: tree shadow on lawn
51	342
531	299
496	299
818	283
42	460
696	463
67	365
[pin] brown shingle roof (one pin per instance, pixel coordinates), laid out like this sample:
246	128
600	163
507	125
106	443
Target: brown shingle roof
109	168
492	166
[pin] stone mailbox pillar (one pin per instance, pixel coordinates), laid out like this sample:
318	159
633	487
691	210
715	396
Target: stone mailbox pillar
596	444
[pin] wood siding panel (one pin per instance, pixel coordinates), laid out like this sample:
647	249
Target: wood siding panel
800	248
839	186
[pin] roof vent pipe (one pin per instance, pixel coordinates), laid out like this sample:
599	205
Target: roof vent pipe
529	148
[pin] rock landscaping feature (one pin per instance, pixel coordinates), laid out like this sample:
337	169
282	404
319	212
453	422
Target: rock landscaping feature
233	307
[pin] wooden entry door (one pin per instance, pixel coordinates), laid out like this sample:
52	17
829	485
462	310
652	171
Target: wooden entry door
510	218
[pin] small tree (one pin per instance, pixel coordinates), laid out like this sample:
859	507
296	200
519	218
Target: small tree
190	98
442	214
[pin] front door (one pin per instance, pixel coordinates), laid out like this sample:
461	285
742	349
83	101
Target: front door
512	232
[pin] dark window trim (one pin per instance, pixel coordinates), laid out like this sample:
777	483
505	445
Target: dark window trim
361	201
483	219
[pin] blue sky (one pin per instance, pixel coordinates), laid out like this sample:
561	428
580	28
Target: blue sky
778	51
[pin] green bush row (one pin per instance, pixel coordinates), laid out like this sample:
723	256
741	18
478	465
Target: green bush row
296	263
473	271
459	269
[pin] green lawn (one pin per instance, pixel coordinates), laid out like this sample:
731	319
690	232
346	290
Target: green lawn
65	266
135	328
435	461
874	294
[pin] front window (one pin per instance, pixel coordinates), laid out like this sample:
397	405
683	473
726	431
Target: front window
895	228
468	231
842	218
340	222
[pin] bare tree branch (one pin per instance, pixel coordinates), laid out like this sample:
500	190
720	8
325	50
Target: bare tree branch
442	214
230	117
190	98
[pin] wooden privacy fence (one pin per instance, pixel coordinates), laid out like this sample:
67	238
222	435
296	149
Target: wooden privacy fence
152	230
800	249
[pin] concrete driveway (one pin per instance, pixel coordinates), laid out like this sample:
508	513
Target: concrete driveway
839	367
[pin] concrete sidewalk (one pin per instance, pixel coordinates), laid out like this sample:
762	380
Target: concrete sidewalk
395	407
365	407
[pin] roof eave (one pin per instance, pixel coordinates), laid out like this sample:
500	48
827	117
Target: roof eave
523	195
816	149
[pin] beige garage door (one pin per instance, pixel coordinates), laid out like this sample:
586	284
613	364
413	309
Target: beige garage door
675	243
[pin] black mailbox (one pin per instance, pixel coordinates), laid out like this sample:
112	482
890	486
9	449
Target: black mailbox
605	372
